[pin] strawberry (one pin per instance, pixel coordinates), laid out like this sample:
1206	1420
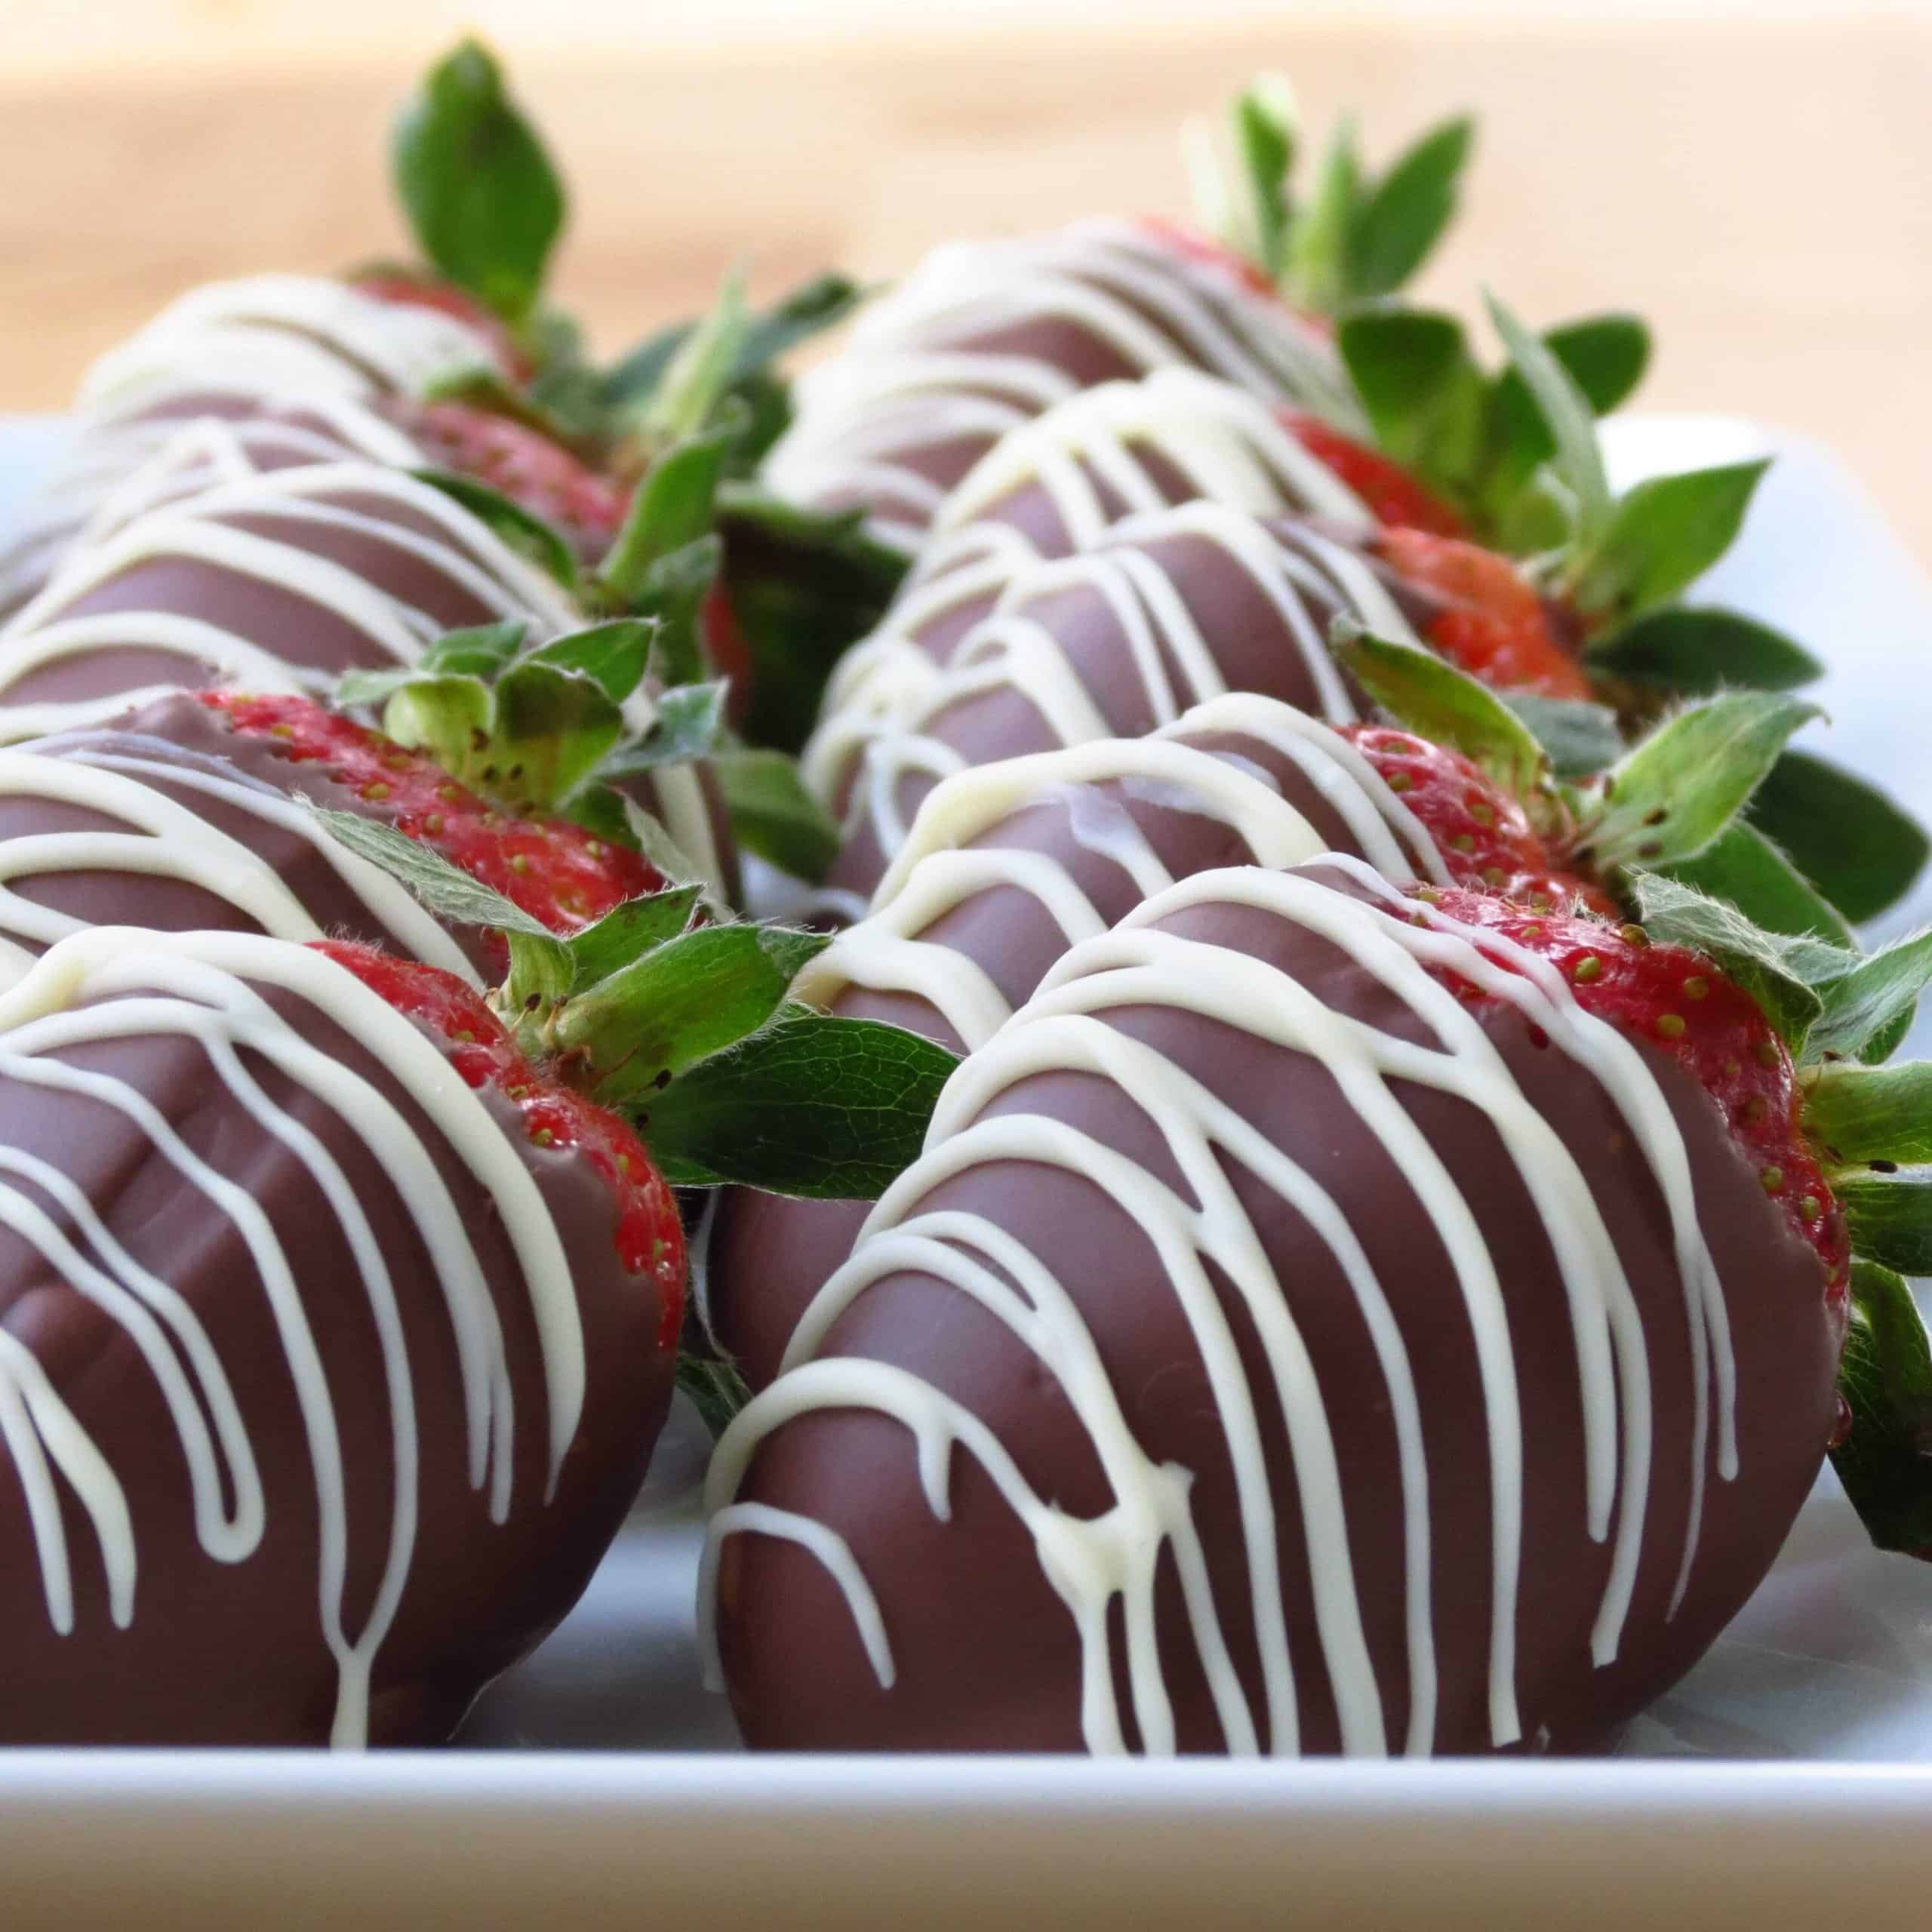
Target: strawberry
1391	495
1483	831
519	461
555	871
1681	1003
650	1236
1192	245
1497	629
422	288
1481	1369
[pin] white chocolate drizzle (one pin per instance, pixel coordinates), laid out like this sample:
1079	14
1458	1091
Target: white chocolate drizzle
337	497
953	852
880	729
912	377
1090	1561
111	982
238	361
121	776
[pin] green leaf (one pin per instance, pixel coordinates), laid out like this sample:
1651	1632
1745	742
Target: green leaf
811	309
715	1388
1743	868
541	973
1887	1040
819	304
804	586
618	817
481	651
1262	116
1438	702
1770	968
1863	1006
774	816
1665	533
565	396
825	1107
449	892
1885	1461
1693	652
629	930
1424	396
1871	1113
675	590
1604	356
1404	216
637	1030
1685	783
700	371
1316	271
689	722
642	369
518	529
460	654
1851	841
452	717
1567	419
480	194
612	656
673	508
1577	738
550	730
374	688
1890	1217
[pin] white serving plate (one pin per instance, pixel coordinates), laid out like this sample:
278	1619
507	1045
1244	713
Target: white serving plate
621	1799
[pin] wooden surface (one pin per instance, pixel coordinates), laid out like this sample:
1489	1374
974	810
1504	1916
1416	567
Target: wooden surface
1759	191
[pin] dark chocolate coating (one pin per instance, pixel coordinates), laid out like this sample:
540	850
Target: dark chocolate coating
180	730
770	1252
233	1653
985	1652
1251	642
272	614
1029	326
279	433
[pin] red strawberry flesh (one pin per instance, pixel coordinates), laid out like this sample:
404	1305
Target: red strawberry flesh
1496	628
1192	245
650	1236
1485	835
1389	493
553	870
522	463
1684	1006
411	288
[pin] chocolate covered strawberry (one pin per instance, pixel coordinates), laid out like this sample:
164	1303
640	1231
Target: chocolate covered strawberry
520	461
1468	1336
191	811
377	1279
348	1336
1008	863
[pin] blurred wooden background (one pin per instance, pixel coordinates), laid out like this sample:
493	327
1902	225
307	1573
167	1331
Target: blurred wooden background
1757	187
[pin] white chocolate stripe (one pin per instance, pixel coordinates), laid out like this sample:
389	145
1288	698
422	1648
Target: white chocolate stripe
1061	1028
167	839
469	557
313	323
203	987
908	381
938	869
898	692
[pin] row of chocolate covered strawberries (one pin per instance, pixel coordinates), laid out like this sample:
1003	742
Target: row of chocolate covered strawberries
359	894
1380	1278
1376	1170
